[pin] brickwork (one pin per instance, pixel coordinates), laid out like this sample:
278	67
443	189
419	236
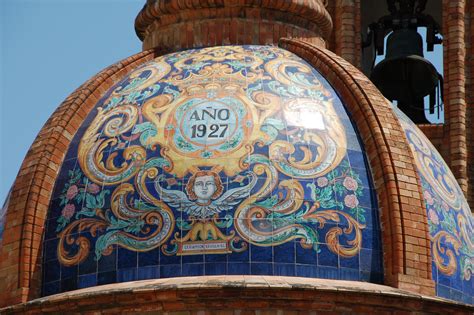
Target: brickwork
438	137
20	254
347	26
240	295
179	24
407	257
455	96
470	98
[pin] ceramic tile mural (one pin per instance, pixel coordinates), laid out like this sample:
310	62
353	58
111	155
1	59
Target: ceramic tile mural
450	220
224	160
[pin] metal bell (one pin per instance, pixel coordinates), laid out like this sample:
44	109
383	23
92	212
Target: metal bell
405	75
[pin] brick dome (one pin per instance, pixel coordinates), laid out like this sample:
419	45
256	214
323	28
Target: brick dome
230	160
216	172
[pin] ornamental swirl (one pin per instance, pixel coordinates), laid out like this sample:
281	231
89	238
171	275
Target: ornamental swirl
208	151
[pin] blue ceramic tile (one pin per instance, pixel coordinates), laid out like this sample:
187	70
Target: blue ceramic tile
192	259
284	253
443	291
151	258
108	262
51	288
49	251
349	262
106	277
89	265
215	269
68	284
52	271
126	258
368	259
349	274
148	273
168	271
309	271
261	269
69	272
193	269
86	281
261	254
210	258
305	255
128	274
328	272
237	268
327	257
243	256
284	270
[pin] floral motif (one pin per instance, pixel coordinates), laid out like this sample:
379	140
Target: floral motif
68	211
72	192
322	182
351	201
350	183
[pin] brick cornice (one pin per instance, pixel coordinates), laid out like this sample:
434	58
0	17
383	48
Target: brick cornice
241	295
405	233
20	253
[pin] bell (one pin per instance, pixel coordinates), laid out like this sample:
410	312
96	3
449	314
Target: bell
404	75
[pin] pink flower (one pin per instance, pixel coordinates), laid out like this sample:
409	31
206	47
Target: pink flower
428	198
93	188
351	201
68	211
72	192
433	216
350	183
322	182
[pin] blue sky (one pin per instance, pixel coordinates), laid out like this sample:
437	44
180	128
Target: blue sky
48	48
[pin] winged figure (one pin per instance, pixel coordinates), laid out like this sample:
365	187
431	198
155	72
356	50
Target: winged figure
205	190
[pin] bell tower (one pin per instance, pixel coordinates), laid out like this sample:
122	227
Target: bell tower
454	137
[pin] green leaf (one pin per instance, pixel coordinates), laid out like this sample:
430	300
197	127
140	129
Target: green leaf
90	201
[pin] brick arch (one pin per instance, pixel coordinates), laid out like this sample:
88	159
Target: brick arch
20	249
405	234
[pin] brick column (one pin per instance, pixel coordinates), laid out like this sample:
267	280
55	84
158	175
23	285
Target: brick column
455	88
470	98
347	30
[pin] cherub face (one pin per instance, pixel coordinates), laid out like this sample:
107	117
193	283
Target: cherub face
204	187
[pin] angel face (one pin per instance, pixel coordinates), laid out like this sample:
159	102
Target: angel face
204	187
